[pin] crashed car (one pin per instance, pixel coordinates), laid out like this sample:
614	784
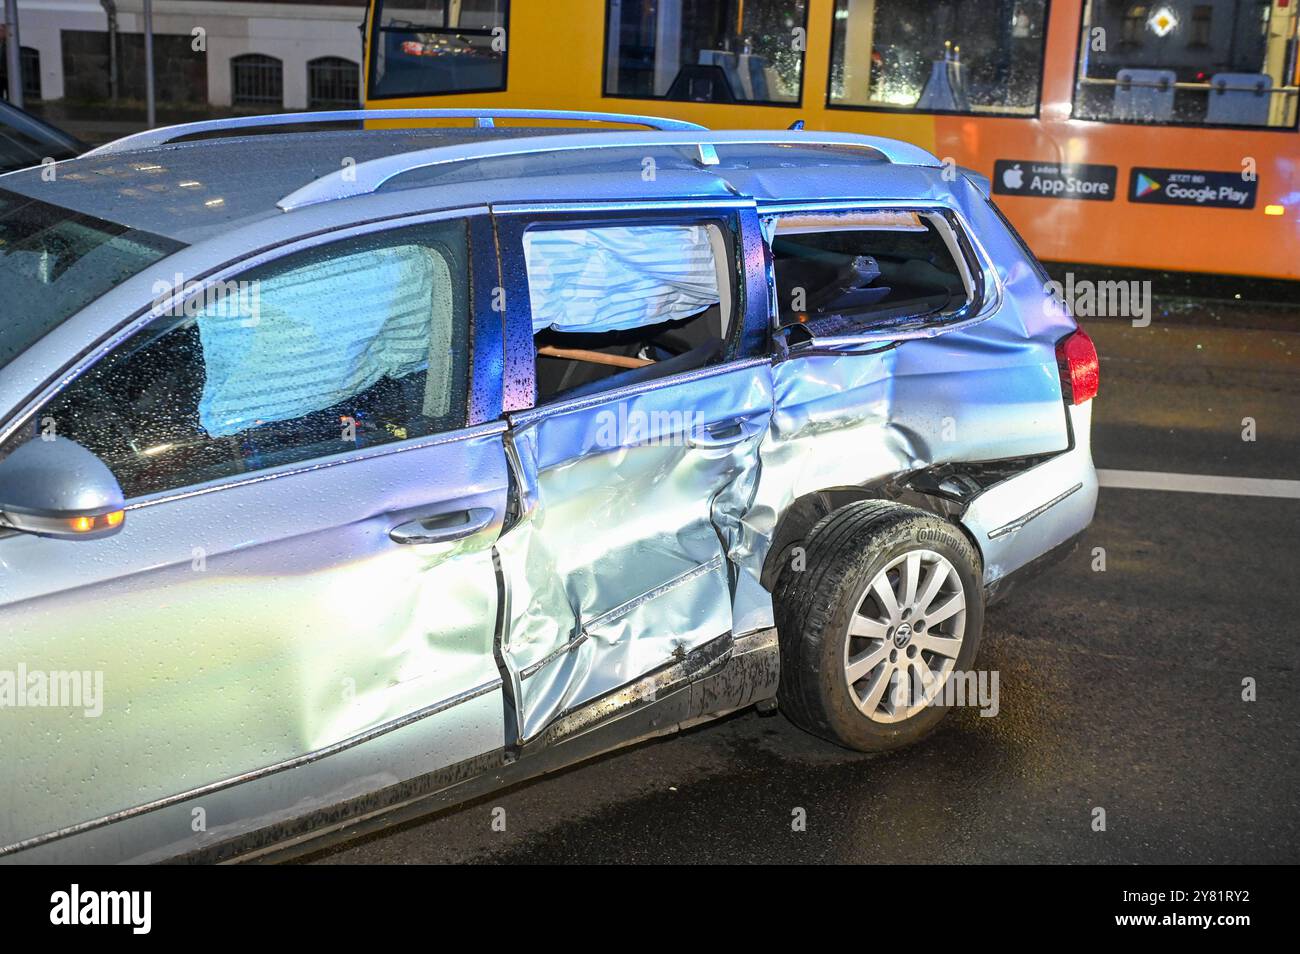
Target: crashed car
426	460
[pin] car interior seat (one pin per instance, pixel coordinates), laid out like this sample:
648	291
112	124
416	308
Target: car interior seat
672	346
697	357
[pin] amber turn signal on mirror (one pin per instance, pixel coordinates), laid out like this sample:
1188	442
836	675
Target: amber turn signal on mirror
104	521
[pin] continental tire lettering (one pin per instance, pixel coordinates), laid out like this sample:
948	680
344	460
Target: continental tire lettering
929	535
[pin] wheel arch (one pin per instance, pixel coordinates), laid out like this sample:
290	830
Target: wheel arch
804	512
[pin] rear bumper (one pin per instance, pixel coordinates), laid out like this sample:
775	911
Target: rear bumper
1000	589
1035	512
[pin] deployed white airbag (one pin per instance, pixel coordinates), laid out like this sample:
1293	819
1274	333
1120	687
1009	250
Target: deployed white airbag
317	335
612	279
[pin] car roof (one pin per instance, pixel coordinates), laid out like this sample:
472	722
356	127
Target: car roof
192	190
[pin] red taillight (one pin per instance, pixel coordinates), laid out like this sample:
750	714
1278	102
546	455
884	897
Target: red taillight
1076	356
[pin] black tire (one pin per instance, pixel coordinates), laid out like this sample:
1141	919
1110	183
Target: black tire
814	605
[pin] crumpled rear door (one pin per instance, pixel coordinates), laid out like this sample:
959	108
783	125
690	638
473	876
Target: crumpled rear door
630	505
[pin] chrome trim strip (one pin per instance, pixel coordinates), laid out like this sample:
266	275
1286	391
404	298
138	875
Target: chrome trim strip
679	580
692	204
620	610
296	762
320	463
553	655
705	659
526	417
1020	521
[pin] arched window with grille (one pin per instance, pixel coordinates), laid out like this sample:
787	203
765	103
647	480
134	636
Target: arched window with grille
256	80
333	83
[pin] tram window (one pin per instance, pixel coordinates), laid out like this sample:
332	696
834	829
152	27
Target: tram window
938	56
432	47
1212	63
710	51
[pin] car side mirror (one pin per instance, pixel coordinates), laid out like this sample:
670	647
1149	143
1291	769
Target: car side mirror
57	488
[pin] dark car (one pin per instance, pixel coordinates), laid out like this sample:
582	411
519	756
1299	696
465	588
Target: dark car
27	141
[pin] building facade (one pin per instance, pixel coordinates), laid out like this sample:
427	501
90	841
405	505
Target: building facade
225	53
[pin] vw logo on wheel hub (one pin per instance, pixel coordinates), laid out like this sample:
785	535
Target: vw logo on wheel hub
902	634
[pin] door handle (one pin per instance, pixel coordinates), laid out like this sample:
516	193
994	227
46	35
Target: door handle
443	527
720	433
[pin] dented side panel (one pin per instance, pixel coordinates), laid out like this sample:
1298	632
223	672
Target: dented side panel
988	390
631	505
1025	516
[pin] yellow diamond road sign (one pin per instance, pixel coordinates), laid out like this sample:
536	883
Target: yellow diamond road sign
1162	21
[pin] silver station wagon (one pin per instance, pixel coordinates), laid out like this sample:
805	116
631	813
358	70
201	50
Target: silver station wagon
347	473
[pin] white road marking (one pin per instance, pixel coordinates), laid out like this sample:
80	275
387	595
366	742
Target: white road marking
1199	483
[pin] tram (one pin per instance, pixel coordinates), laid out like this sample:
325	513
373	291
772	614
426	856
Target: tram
1156	135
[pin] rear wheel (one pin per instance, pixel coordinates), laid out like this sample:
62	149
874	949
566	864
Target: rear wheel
887	604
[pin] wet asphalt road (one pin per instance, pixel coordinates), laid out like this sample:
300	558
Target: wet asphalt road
1119	689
